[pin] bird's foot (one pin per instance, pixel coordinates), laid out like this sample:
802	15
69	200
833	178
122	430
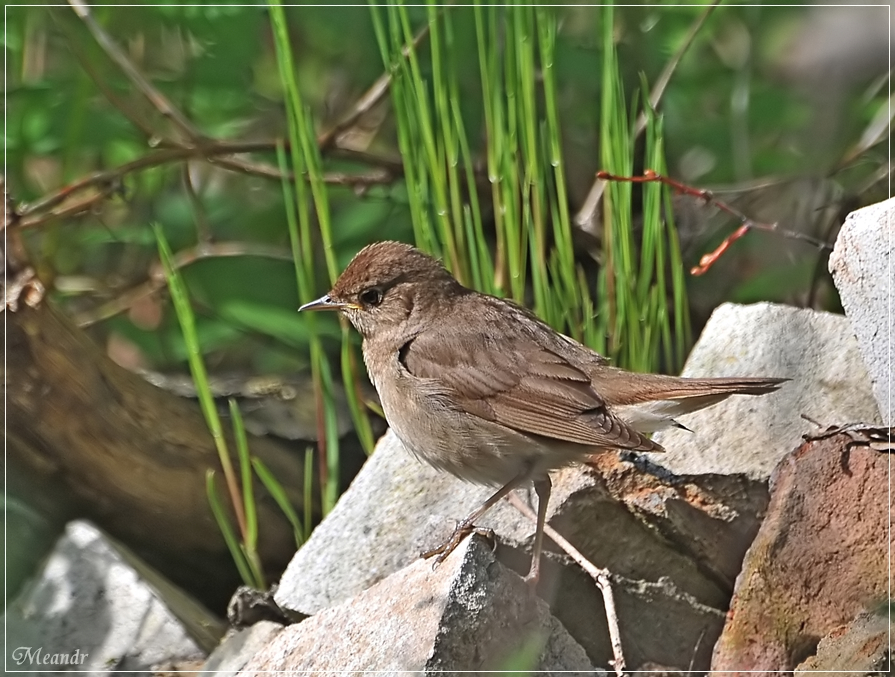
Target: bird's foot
460	532
534	575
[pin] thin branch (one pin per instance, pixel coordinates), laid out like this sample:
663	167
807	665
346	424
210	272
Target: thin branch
369	99
584	219
250	168
197	145
181	259
602	577
203	230
104	178
389	164
113	98
359	181
114	52
108	180
267	171
70	209
747	224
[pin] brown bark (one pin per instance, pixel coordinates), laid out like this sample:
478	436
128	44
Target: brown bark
87	438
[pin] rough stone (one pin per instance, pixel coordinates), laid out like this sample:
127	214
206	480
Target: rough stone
750	435
861	648
90	610
677	540
396	508
238	648
676	543
862	268
468	614
820	556
657	622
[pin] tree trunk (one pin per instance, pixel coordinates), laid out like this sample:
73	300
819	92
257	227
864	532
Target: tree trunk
87	438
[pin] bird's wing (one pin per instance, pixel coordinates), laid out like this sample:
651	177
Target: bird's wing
508	377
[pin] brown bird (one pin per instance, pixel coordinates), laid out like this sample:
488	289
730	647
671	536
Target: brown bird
480	387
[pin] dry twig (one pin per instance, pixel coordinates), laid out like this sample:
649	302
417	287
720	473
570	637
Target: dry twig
585	217
746	223
369	99
111	48
181	259
602	577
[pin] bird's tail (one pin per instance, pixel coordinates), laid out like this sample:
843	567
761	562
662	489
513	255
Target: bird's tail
652	402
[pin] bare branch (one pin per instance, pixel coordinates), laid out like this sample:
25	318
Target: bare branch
747	224
369	99
602	577
180	260
585	217
156	98
107	181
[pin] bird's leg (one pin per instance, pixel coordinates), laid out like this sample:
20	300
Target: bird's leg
466	526
542	489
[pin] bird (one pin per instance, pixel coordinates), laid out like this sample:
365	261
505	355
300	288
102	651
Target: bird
480	387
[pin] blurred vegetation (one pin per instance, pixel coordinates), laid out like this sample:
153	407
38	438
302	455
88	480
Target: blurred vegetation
502	117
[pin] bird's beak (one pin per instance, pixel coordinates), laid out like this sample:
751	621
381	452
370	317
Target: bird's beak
323	303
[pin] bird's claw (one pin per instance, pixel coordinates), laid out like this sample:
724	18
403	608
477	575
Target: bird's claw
460	532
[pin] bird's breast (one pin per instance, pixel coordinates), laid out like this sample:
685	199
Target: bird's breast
423	415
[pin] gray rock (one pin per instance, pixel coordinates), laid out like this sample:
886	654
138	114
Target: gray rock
678	543
89	610
238	648
862	268
672	544
396	508
468	614
750	435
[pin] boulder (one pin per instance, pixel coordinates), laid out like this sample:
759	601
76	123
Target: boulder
862	268
237	649
470	613
819	559
854	650
750	435
92	609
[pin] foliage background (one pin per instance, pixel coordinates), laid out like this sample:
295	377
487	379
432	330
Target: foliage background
737	117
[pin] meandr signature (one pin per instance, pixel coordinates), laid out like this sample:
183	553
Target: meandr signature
39	656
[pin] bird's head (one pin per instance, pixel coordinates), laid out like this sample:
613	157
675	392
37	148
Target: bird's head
384	283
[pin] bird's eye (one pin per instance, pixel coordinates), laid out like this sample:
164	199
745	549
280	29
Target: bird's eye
371	296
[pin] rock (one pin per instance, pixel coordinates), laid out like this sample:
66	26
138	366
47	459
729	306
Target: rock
862	268
655	619
469	614
396	508
855	650
238	648
750	435
707	521
677	542
90	610
819	558
674	545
